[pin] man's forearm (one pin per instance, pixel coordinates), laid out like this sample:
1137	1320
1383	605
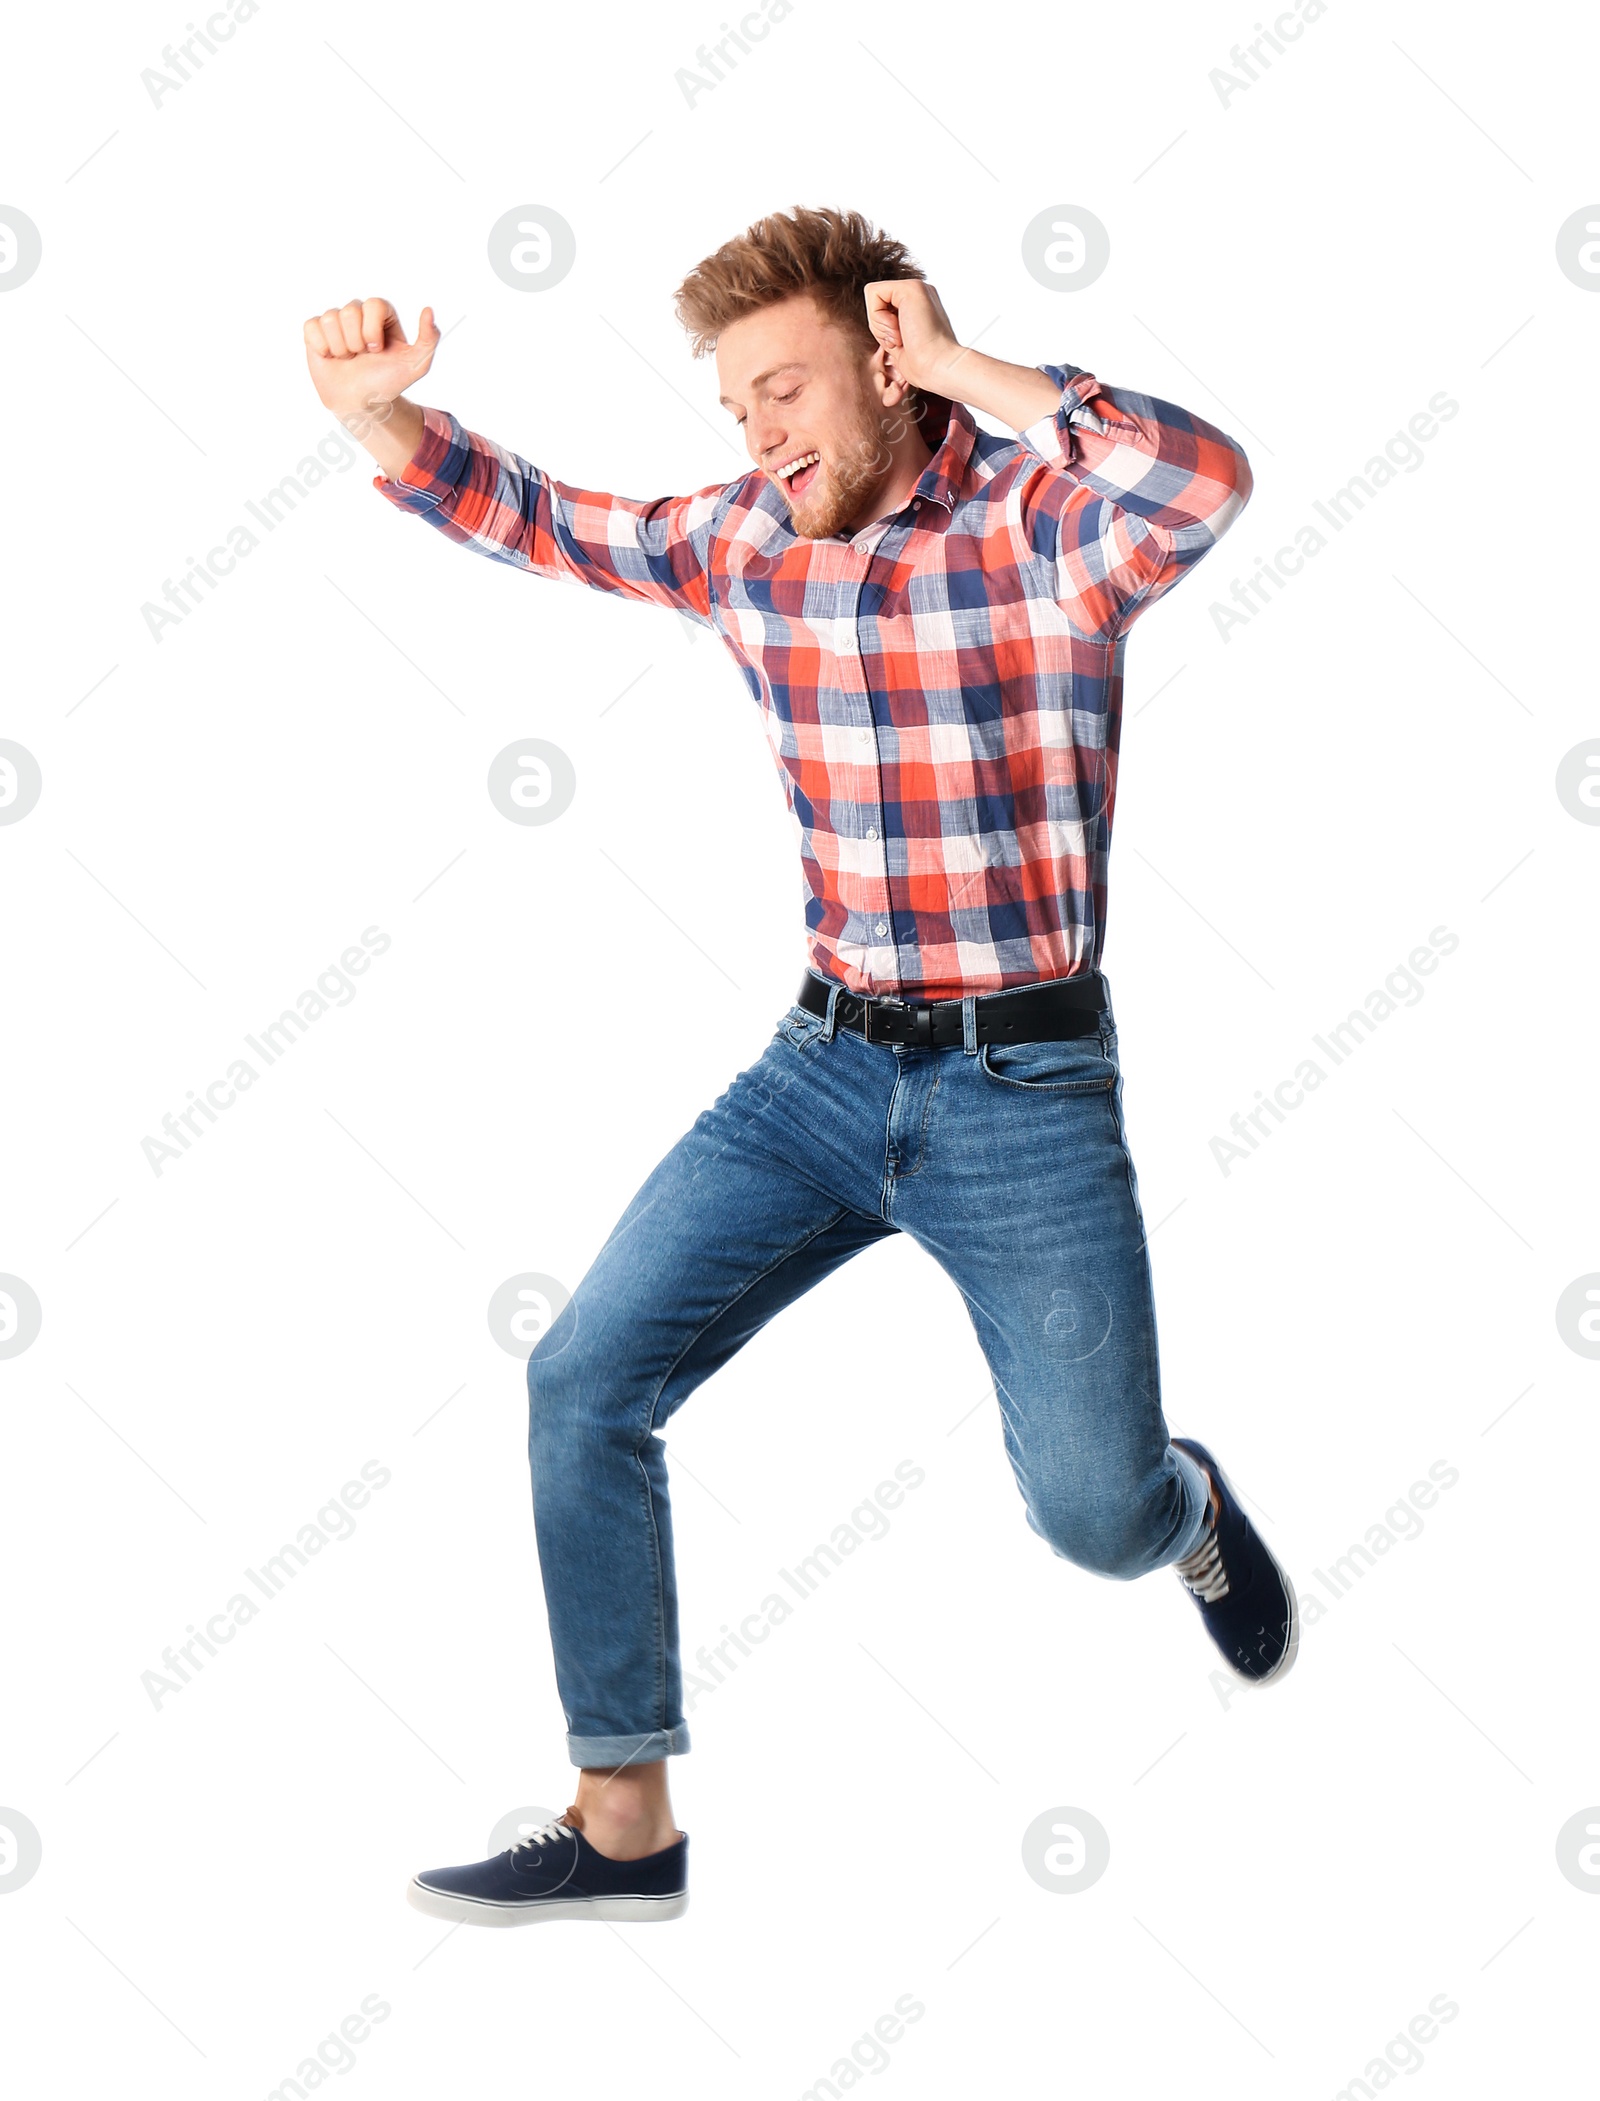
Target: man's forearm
1016	394
392	442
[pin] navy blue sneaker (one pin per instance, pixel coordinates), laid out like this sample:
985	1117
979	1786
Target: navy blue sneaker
1247	1602
555	1873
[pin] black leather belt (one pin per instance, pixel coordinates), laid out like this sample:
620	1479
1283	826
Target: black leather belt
1043	1013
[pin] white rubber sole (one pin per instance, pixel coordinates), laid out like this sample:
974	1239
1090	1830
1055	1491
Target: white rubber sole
1291	1648
476	1911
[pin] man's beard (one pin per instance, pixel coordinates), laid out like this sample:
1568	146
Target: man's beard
843	484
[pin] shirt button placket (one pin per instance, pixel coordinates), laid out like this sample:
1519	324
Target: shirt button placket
853	681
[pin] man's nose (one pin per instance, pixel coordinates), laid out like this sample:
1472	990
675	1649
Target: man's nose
766	435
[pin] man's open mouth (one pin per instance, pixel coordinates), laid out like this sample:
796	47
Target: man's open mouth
798	474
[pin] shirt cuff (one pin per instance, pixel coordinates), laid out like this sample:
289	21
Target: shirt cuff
442	457
1050	436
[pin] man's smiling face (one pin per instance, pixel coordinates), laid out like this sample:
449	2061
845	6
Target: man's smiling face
808	395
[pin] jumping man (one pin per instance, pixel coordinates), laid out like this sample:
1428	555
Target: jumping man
932	620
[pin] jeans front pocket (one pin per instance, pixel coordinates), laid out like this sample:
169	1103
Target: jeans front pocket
1075	1065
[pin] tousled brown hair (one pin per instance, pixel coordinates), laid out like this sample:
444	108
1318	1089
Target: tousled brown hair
831	254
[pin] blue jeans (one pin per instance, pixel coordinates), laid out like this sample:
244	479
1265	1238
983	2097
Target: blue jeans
1009	1165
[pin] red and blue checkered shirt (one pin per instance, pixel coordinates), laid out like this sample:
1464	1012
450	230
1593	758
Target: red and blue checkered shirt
942	690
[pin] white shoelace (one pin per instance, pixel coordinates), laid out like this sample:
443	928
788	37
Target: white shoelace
1202	1571
546	1832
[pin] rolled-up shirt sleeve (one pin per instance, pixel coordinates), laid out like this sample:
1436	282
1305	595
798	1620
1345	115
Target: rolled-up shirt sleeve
1136	491
483	496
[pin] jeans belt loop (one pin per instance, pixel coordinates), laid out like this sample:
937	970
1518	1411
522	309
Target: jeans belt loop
969	1025
827	1025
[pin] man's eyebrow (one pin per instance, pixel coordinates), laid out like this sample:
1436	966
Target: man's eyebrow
792	364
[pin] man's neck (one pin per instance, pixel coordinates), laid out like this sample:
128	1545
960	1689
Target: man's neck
908	462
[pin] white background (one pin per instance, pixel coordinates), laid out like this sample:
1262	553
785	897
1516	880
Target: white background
1293	1874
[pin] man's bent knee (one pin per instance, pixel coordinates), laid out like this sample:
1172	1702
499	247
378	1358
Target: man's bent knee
1118	1544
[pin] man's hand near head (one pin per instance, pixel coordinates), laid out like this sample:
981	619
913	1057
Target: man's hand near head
360	364
919	346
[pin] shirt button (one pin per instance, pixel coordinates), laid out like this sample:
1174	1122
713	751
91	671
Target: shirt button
883	926
861	736
872	831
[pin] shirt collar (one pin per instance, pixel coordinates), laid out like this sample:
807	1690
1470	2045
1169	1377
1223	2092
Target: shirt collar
948	428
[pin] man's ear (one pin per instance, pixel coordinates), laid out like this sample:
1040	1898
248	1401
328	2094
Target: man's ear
892	391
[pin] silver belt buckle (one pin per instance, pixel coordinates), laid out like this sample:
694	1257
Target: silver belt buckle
900	1003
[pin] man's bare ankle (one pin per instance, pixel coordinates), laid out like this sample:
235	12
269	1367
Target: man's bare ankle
628	1838
622	1820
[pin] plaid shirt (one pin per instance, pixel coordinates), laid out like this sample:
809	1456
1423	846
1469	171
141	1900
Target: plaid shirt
942	690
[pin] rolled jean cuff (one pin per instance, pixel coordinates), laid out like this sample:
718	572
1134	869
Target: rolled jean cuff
629	1750
1202	1492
